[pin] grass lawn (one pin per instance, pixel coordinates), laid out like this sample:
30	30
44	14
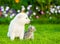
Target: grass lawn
45	34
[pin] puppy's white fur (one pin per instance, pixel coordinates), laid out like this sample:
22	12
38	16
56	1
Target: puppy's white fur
30	33
17	26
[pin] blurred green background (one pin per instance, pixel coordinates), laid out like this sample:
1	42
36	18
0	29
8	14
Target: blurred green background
43	5
45	16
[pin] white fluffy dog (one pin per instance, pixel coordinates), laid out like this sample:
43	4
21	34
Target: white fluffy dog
17	26
30	33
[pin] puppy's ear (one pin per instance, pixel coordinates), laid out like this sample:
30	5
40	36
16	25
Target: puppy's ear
18	15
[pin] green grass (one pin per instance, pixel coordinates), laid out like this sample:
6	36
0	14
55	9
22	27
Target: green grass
45	34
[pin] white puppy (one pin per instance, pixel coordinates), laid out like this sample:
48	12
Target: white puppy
30	33
17	26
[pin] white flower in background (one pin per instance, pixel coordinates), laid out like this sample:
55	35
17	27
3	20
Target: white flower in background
4	12
55	6
58	7
27	12
51	6
28	8
30	5
50	17
49	13
10	11
30	16
5	15
2	8
11	16
18	11
37	8
52	10
58	11
7	8
34	13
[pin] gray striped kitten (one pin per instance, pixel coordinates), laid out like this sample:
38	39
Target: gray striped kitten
30	33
